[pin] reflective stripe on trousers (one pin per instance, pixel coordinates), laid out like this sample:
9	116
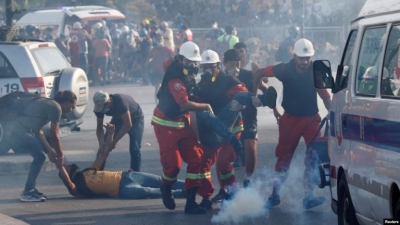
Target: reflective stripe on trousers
168	123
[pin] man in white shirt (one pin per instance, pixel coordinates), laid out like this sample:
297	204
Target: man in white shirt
168	35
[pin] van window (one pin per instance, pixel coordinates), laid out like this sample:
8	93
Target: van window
390	83
6	70
347	63
49	60
368	61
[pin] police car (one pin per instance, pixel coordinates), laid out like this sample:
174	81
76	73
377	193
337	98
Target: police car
39	67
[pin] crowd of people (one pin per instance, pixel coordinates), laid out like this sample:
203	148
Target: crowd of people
245	12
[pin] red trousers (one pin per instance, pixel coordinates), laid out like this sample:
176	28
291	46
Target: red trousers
176	144
291	129
224	155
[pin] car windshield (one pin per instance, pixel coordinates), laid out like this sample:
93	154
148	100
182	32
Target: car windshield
49	60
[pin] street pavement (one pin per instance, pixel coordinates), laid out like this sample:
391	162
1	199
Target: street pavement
61	208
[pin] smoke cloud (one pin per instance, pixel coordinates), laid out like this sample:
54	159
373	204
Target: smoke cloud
248	203
247	206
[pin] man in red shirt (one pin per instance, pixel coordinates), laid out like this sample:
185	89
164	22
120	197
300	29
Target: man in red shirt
173	130
158	54
300	119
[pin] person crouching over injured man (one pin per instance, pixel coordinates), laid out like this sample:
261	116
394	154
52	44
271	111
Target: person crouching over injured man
91	182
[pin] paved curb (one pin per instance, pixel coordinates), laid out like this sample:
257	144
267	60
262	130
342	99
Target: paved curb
14	164
7	220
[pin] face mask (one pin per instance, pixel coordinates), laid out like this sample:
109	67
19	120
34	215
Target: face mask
233	72
214	26
209	71
159	44
234	32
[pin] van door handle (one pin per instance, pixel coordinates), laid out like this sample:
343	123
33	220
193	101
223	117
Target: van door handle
344	123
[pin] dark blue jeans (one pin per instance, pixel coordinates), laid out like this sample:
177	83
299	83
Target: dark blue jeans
135	141
38	152
83	62
137	185
214	128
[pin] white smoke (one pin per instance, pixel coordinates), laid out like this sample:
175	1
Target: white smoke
247	204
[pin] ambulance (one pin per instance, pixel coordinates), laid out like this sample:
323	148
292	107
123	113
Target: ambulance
61	19
364	142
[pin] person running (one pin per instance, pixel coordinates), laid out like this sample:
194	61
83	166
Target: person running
300	119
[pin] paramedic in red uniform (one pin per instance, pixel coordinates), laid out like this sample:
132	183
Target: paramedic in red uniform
73	44
172	128
300	119
218	89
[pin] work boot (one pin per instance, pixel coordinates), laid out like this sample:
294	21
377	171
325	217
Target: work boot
246	183
220	196
270	97
312	201
237	146
206	203
167	198
272	201
191	206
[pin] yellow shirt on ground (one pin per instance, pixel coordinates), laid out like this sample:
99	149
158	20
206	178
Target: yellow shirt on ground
232	42
103	182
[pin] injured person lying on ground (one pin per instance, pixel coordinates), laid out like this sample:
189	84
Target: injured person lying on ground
91	182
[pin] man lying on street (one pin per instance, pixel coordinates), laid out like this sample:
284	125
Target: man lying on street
91	182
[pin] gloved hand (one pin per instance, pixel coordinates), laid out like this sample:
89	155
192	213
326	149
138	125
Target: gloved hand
256	101
237	146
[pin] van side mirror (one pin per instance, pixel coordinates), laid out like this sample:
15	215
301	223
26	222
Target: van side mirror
323	74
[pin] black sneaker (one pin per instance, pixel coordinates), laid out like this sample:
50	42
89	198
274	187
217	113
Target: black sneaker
311	202
32	196
39	193
272	201
270	97
246	183
206	203
220	196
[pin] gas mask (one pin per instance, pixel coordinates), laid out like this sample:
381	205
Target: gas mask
190	67
233	72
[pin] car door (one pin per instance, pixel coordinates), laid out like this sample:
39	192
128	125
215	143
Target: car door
387	128
364	103
339	113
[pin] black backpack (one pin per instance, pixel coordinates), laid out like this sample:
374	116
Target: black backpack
13	104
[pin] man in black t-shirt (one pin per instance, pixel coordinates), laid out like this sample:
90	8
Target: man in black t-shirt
127	116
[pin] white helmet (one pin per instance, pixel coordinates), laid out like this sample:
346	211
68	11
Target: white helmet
190	51
97	25
303	48
209	57
77	25
125	29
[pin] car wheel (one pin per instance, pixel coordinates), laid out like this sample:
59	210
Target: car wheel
4	145
397	211
346	212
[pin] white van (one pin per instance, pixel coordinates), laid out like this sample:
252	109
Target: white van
364	140
61	19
